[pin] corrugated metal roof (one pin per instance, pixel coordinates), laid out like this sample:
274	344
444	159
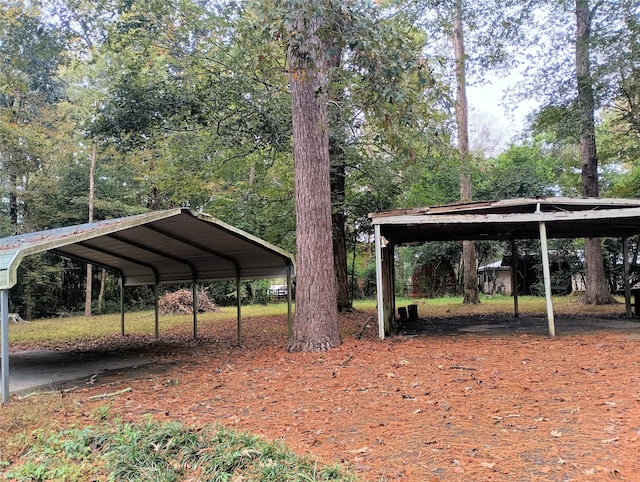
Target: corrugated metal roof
512	219
169	246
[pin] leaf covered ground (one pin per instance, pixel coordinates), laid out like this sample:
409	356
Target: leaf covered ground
495	405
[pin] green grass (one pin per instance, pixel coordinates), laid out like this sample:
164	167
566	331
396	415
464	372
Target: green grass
78	328
167	451
70	329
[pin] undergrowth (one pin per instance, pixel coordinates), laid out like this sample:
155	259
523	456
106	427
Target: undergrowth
163	452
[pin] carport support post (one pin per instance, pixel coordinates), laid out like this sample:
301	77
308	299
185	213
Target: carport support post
194	308
379	295
239	304
156	310
514	277
627	288
4	314
384	284
547	278
122	305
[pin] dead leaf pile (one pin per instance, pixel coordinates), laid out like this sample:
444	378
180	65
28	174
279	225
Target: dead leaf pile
180	302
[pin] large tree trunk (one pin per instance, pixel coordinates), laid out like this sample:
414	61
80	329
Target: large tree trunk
315	323
469	261
597	290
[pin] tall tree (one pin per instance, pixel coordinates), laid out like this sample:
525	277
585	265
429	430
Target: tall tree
30	53
597	288
469	260
92	190
489	30
315	326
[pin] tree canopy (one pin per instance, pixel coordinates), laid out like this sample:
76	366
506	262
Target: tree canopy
190	104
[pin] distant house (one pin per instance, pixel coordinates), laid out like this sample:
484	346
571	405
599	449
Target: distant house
495	278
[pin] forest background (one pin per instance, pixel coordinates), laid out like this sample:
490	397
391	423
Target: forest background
115	107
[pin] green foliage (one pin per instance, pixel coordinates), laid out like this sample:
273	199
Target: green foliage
164	452
521	171
30	90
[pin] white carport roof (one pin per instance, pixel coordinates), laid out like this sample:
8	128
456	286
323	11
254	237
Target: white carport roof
169	246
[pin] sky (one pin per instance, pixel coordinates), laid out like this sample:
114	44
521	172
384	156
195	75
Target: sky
487	106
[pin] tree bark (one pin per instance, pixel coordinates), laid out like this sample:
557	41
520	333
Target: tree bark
13	196
337	145
596	290
89	277
343	297
469	261
315	323
103	287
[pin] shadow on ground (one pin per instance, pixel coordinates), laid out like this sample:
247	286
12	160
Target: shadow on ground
505	324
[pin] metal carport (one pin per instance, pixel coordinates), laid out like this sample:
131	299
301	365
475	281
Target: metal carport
171	246
510	220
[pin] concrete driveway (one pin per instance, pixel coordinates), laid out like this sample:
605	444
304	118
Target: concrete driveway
49	369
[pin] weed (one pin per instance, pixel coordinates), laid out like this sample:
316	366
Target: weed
162	452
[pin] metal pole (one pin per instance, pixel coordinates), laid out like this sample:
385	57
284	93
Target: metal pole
627	287
156	311
547	278
4	314
239	303
379	294
194	307
121	305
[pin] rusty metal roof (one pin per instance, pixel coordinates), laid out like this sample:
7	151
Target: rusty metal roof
169	246
512	219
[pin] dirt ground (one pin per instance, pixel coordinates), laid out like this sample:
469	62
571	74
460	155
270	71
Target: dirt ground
488	398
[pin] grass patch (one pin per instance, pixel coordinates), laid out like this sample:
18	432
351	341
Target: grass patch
167	451
80	328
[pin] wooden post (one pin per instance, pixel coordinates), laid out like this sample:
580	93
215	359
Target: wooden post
547	278
627	287
388	263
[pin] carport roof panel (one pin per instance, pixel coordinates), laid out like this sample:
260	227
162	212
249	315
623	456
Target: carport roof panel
512	219
165	246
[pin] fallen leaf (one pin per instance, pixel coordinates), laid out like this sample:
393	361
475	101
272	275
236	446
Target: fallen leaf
609	440
362	467
360	450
